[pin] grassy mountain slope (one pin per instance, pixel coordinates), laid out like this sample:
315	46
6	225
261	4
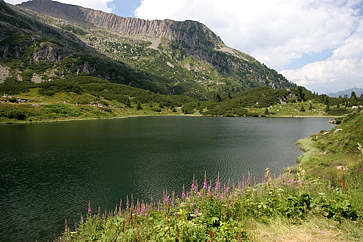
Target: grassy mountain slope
35	51
82	97
270	102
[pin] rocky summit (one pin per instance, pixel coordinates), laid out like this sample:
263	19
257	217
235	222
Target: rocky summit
53	40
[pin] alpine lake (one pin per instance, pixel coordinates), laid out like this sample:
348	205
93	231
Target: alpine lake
49	172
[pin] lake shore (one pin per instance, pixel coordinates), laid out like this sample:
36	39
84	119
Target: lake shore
16	122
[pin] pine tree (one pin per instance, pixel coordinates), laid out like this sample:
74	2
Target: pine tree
128	103
310	106
266	111
218	98
353	99
138	107
301	94
302	109
327	108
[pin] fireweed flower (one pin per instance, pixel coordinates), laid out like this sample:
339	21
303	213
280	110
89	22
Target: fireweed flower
227	189
209	187
196	211
89	207
183	193
176	213
205	181
204	185
357	171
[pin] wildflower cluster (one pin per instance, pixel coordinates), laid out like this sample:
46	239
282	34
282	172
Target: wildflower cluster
215	212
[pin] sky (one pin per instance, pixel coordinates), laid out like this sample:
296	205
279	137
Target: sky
314	43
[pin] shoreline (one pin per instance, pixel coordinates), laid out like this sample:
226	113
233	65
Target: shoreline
17	122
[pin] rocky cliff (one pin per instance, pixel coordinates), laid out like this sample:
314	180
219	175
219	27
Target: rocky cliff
193	34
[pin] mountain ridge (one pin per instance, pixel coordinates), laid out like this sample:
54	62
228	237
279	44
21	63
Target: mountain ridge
358	92
166	56
169	29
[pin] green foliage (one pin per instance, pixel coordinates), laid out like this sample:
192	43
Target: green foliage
344	140
302	109
337	207
327	108
188	108
13	113
62	110
50	88
11	86
74	29
138	107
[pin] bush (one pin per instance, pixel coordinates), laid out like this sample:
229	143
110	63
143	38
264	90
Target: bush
16	114
156	109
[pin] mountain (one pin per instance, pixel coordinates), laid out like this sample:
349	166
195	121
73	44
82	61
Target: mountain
45	40
348	92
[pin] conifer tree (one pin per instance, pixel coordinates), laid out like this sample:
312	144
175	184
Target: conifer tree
138	107
353	99
128	103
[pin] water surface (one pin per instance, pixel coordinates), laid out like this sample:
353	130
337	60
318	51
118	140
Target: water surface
49	172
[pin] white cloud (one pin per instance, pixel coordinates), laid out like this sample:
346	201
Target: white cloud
94	4
344	69
276	32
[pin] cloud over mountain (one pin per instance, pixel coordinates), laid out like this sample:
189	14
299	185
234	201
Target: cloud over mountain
340	71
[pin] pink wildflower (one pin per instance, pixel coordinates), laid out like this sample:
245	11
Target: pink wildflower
89	207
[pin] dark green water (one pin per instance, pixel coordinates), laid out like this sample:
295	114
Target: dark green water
49	172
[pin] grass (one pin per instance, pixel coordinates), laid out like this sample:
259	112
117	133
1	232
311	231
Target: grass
293	110
72	106
314	228
314	201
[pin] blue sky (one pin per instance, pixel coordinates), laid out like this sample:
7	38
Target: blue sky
314	43
125	8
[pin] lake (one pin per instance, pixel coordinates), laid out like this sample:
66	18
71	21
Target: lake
49	172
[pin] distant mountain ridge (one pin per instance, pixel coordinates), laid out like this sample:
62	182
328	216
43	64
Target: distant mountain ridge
165	56
358	92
